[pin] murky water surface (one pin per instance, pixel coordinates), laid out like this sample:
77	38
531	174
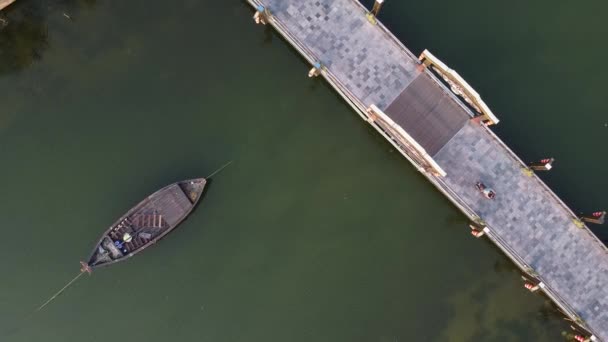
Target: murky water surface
319	231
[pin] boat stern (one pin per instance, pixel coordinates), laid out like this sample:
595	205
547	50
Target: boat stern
84	267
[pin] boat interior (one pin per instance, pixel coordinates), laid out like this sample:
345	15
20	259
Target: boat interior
158	213
129	235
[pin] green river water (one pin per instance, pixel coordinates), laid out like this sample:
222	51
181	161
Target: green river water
319	230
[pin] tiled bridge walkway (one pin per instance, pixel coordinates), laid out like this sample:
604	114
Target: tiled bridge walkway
368	66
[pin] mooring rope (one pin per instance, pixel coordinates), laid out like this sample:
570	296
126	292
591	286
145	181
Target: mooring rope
220	169
59	292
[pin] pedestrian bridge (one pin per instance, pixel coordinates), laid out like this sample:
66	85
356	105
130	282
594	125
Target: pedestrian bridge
442	126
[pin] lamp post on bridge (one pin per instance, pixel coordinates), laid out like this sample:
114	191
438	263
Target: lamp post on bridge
377	6
597	217
542	165
371	16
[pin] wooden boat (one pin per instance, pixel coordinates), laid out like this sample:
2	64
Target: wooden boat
143	225
146	223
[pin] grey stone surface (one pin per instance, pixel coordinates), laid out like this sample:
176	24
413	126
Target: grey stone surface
531	222
525	216
360	55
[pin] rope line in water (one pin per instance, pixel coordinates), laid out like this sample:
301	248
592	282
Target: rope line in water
59	292
220	169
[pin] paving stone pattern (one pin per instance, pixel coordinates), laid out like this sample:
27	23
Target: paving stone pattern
531	221
524	214
360	55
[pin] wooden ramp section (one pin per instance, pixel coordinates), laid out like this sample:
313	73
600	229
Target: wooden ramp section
428	114
422	118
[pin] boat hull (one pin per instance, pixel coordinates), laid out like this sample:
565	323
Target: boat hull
147	222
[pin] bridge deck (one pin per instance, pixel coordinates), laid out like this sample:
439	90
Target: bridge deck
531	221
367	65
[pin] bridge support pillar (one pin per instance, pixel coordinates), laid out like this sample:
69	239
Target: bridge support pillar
477	230
581	338
261	15
532	287
316	70
597	217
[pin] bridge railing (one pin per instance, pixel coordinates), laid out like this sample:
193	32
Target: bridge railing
548	190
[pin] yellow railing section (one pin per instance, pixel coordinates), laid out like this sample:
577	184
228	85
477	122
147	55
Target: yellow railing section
459	86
